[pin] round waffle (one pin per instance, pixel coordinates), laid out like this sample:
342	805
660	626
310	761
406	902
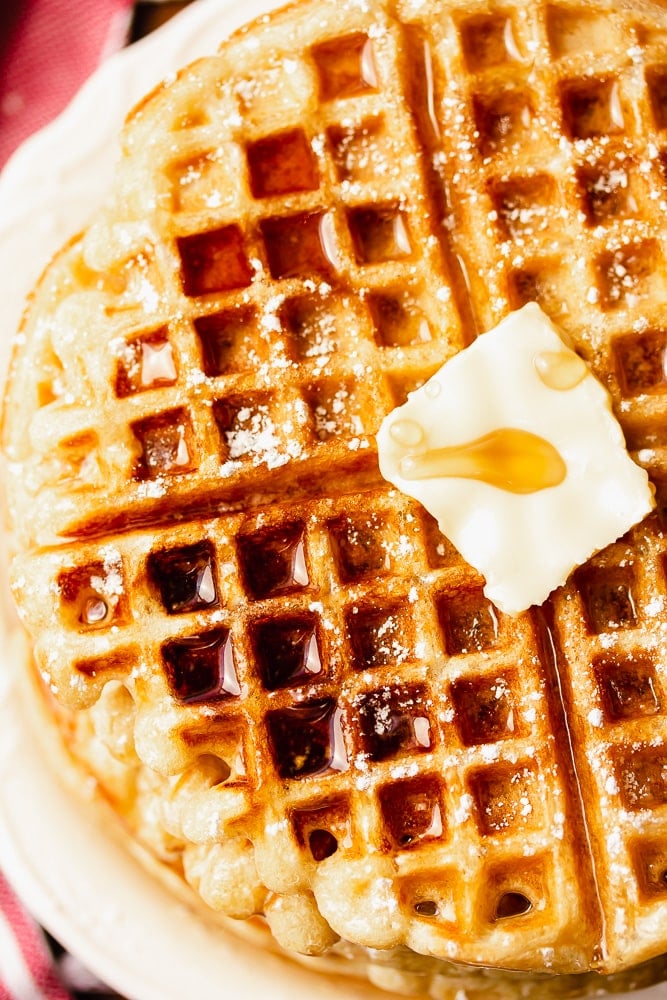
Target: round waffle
287	681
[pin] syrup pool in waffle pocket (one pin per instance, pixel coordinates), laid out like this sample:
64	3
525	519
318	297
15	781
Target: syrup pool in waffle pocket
289	683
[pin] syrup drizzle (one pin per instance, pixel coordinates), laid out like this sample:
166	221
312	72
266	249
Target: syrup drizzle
560	370
429	88
510	458
551	658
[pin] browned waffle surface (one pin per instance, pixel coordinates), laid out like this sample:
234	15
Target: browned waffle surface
335	727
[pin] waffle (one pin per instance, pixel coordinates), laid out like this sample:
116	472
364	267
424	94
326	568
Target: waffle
288	682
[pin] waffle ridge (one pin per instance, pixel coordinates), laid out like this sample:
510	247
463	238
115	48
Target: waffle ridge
303	678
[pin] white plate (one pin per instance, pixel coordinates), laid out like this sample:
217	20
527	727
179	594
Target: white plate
68	865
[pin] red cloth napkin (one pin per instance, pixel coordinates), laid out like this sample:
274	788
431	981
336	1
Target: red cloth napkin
27	970
47	49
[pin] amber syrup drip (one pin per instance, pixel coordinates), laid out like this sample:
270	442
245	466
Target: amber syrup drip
287	652
307	739
509	458
201	668
185	578
560	370
273	561
394	722
412	811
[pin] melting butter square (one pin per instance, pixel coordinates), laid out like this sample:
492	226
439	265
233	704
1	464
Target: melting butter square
513	447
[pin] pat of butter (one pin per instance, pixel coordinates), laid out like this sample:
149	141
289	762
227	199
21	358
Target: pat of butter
513	448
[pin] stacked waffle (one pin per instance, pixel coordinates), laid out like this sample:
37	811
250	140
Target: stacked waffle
284	677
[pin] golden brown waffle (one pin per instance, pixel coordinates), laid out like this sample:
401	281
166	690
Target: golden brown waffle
332	725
